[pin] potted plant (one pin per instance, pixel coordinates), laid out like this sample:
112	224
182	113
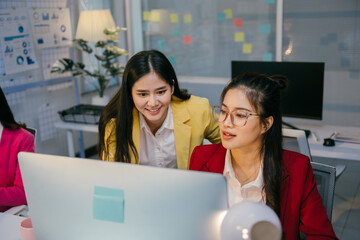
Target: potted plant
106	54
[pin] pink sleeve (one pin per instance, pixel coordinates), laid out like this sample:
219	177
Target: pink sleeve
15	195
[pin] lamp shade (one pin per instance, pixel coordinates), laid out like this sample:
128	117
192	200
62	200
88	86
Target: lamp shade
92	23
250	220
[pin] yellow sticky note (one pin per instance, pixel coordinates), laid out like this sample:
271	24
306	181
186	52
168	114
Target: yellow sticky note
188	18
146	15
228	13
174	18
247	48
155	16
239	36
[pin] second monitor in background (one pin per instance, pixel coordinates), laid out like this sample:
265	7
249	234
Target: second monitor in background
304	96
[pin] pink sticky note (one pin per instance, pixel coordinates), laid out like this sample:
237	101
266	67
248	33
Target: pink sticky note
188	39
238	22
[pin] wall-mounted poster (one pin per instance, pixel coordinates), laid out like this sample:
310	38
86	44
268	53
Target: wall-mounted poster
51	27
16	41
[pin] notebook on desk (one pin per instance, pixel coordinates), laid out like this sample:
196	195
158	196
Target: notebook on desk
73	198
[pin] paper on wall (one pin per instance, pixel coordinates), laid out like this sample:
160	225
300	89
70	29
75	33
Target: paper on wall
51	27
16	41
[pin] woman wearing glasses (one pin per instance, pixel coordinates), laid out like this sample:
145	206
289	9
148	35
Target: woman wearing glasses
252	159
151	121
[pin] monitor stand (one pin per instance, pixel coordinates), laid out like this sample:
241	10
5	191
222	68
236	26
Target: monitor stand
307	132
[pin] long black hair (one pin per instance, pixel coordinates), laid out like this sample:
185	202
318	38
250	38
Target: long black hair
121	105
263	93
6	116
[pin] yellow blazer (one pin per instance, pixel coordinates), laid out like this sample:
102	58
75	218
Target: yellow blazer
193	121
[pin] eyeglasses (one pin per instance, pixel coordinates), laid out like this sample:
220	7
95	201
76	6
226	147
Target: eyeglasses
238	117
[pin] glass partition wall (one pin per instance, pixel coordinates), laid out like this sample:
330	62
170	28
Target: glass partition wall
202	37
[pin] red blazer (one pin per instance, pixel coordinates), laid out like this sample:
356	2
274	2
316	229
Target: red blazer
11	186
301	204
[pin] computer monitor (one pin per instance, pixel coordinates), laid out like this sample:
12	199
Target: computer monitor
74	198
304	96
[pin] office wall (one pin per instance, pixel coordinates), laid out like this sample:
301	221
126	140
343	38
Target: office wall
201	38
37	106
35	96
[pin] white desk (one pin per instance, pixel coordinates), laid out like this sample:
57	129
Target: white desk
10	226
341	150
70	136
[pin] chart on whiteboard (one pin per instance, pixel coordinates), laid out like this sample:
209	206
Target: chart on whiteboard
16	41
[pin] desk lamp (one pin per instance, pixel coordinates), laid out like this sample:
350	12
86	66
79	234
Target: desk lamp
251	221
92	23
90	28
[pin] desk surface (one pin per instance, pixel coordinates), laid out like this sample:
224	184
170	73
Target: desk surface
77	126
10	226
341	150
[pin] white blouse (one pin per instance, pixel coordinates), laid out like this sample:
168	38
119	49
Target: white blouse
251	191
158	150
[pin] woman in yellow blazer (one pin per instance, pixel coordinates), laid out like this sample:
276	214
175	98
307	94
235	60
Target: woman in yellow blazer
150	120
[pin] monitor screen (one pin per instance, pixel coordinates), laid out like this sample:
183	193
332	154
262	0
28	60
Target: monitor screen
304	95
76	198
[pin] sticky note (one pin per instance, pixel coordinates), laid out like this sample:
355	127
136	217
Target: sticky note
221	17
155	16
265	28
145	26
269	1
108	204
247	48
267	57
188	39
176	31
228	13
238	22
172	60
239	37
146	15
161	44
174	18
187	18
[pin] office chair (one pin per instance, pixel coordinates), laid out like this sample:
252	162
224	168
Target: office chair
33	131
325	179
296	140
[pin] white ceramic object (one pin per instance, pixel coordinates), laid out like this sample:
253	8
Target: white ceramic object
250	220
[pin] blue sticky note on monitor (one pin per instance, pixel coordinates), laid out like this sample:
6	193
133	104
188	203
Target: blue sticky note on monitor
108	204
